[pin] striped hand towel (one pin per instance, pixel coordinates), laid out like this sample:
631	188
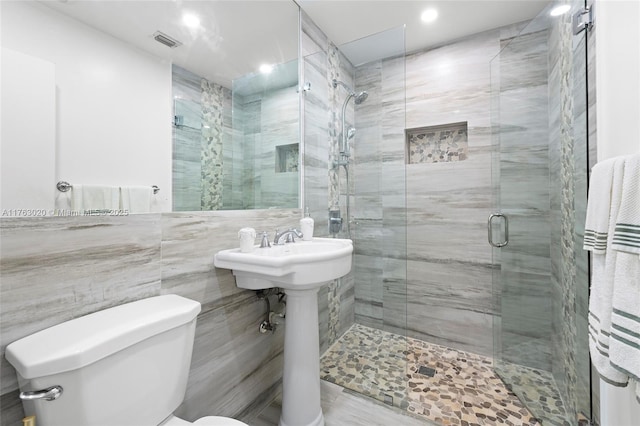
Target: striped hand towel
627	233
604	263
624	351
596	226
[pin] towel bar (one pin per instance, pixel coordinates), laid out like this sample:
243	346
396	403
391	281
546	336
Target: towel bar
66	186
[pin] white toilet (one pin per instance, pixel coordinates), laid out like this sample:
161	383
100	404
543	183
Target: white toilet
124	366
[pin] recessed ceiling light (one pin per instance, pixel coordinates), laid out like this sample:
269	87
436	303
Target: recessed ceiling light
266	68
429	15
560	10
191	20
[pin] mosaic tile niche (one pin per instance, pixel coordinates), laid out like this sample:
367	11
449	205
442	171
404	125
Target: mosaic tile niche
287	158
437	144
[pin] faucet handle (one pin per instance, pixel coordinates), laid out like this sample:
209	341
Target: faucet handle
264	243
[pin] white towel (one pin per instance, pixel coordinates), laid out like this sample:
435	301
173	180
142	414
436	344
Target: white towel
624	351
136	199
95	198
627	232
599	206
624	344
604	263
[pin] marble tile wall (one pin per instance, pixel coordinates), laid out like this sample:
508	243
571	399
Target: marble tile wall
228	161
280	125
568	74
56	269
233	153
263	121
247	180
448	294
448	298
453	210
524	193
198	144
186	163
562	280
379	184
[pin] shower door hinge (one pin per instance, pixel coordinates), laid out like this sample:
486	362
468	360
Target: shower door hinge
305	87
582	19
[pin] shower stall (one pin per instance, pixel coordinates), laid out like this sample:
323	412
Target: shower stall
433	319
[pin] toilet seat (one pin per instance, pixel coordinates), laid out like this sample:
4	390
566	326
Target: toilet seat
204	421
218	421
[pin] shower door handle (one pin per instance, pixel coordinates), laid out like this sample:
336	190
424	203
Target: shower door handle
490	230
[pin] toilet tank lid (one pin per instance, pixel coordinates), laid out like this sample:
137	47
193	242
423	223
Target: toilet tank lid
85	340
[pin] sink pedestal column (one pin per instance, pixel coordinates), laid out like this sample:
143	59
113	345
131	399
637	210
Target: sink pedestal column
301	381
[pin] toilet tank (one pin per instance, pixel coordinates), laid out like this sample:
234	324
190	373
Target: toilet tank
122	366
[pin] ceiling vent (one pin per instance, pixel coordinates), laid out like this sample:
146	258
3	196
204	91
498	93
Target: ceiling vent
161	37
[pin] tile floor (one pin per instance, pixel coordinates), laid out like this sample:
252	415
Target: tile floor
445	386
537	389
342	407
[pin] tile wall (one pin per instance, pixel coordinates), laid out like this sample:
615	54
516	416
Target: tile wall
449	298
56	269
224	154
570	278
448	261
198	143
526	306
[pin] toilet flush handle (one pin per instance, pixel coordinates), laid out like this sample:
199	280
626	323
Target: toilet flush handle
49	394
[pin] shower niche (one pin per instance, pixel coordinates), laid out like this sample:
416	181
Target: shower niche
287	158
443	143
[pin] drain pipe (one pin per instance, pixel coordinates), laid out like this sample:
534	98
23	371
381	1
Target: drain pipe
269	324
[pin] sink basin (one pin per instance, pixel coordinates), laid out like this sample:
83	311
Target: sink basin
300	265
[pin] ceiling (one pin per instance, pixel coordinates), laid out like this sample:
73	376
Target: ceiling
233	39
265	31
347	20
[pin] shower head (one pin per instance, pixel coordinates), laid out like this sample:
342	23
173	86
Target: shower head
361	97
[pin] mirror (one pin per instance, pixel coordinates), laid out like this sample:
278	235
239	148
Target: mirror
198	98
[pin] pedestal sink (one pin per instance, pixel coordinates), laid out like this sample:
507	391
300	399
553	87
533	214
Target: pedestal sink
300	268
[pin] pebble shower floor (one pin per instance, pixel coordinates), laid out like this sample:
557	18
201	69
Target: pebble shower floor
440	384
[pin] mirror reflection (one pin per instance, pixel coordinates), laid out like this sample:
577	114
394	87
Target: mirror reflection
131	94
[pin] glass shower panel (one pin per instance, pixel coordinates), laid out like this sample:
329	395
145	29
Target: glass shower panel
539	177
367	187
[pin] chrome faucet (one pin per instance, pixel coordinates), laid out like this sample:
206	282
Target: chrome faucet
288	236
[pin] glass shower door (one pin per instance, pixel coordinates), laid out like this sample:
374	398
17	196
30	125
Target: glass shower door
539	175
